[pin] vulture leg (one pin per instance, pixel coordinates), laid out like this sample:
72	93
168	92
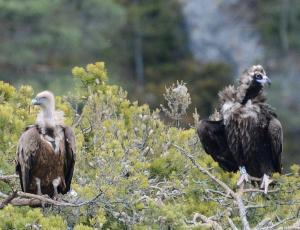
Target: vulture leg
38	185
265	183
244	176
56	183
39	190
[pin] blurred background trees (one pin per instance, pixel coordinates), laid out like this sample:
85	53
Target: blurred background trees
148	45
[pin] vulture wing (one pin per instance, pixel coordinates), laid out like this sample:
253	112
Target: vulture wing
70	157
276	139
213	138
26	152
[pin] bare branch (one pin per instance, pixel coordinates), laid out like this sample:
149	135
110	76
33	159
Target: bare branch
259	190
77	121
242	211
263	223
7	200
213	224
27	199
236	195
7	178
232	225
295	226
203	170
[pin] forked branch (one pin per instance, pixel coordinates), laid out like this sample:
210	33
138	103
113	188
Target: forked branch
237	196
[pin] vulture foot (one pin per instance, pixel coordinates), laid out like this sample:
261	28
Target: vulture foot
265	183
56	182
39	190
38	186
244	176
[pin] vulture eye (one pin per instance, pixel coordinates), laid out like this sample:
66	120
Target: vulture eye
258	76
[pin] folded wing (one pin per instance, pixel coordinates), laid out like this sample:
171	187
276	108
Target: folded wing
213	138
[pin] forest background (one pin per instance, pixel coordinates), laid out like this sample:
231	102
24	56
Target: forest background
148	45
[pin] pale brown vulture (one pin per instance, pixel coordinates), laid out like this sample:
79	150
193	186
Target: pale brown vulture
245	134
46	151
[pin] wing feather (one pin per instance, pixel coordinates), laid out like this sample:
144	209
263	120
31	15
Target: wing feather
213	138
27	147
276	140
70	157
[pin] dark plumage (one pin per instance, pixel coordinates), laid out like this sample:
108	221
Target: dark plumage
46	151
246	134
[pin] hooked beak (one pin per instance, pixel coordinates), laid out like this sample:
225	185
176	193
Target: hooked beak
264	80
35	101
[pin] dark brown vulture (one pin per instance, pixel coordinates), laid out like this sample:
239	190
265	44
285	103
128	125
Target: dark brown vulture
46	151
245	133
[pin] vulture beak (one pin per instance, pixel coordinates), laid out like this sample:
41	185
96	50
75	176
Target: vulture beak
35	101
264	80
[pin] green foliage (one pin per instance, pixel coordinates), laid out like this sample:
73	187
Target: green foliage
6	91
28	218
129	156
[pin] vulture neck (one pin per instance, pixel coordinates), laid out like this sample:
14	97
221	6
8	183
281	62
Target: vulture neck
46	118
252	92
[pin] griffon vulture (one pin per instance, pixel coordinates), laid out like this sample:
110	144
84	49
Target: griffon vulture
46	151
245	134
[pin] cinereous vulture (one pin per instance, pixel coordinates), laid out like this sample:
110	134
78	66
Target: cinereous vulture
245	133
46	151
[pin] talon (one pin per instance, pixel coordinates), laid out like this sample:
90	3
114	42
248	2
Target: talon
265	183
56	182
244	176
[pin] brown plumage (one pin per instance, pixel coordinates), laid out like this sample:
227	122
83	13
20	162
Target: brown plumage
246	134
46	151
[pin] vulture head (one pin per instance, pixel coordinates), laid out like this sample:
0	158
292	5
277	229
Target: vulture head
45	100
251	83
48	117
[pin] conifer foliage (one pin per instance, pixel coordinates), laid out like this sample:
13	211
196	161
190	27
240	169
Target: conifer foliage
133	171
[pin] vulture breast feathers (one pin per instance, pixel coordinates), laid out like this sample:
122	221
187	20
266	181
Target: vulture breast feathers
46	151
245	133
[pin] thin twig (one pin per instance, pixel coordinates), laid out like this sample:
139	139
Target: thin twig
213	224
232	225
259	190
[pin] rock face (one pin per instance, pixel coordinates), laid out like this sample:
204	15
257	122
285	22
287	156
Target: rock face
220	30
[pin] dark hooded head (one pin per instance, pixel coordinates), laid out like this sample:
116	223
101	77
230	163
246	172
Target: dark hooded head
251	83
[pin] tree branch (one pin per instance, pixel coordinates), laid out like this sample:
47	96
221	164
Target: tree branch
27	199
7	178
236	195
232	225
213	224
7	200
